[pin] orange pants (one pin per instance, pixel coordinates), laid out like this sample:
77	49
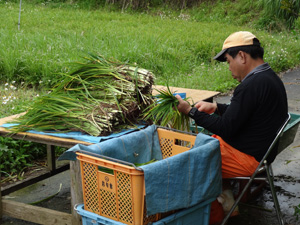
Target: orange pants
234	162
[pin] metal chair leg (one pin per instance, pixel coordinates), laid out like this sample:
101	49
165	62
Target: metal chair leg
274	195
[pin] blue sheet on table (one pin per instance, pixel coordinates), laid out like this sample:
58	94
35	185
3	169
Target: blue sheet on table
181	181
136	147
78	135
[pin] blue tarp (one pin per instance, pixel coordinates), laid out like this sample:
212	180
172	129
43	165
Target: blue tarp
78	135
181	181
186	179
136	147
198	214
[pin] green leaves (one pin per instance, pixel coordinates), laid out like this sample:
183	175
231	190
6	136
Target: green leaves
164	111
15	155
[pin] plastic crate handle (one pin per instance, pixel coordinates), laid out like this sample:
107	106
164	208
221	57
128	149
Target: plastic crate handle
110	158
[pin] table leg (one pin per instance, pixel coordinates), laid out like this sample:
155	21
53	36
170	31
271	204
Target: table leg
51	157
76	190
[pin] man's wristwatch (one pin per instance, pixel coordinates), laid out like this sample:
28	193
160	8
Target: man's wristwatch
192	112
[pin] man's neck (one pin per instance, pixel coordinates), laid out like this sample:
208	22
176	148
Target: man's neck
253	64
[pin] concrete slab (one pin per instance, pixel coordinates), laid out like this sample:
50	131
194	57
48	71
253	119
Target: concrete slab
58	185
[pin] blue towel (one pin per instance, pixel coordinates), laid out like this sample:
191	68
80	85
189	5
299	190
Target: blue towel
136	147
186	179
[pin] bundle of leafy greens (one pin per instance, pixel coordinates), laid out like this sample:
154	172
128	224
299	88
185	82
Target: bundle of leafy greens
99	97
164	111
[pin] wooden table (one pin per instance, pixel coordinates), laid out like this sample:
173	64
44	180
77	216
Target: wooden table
194	95
37	214
45	216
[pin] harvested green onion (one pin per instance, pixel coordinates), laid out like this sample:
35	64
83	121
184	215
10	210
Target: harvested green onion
164	111
99	97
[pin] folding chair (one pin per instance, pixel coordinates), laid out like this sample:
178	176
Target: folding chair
263	166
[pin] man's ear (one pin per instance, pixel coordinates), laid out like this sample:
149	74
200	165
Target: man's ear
243	56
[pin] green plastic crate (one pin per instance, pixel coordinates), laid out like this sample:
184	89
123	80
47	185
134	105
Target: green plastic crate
198	129
289	132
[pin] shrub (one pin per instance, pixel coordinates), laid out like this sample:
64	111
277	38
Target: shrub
279	14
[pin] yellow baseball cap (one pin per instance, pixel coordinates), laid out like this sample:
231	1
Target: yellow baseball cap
241	38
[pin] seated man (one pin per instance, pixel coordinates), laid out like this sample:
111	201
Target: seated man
247	126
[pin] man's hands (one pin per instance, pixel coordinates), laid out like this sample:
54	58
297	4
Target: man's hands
202	106
206	107
183	106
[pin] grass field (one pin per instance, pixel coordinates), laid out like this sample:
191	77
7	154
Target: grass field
15	98
174	47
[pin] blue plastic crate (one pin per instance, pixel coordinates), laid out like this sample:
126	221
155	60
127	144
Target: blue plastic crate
182	95
198	214
89	218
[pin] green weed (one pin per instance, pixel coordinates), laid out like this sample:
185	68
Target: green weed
279	14
297	211
16	156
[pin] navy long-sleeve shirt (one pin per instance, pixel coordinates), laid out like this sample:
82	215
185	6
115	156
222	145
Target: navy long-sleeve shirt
257	110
